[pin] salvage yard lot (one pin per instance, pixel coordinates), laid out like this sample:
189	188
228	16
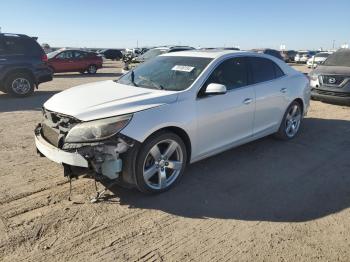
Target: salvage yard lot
264	201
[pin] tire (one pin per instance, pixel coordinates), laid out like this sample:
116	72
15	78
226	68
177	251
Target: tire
291	122
92	69
156	171
20	85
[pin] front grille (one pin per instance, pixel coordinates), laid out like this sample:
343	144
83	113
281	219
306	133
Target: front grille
333	80
330	93
55	127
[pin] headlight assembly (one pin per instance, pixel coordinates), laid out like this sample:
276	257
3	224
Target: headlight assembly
97	130
313	77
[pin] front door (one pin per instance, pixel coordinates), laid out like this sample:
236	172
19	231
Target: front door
223	120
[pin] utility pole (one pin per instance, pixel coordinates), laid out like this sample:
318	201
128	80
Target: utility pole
333	44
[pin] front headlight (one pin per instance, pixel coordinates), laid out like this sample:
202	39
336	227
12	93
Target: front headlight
313	77
97	130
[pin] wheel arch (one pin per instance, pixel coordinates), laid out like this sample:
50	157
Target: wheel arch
301	103
20	70
181	133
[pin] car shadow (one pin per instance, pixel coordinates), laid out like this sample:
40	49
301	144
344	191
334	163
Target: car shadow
266	180
78	75
33	102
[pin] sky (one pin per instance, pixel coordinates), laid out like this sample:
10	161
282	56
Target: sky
297	24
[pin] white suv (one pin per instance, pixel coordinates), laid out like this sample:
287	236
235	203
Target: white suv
173	110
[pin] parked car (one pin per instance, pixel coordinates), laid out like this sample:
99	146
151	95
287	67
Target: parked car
268	51
288	55
330	81
303	56
22	65
152	53
69	60
175	109
161	50
113	54
317	59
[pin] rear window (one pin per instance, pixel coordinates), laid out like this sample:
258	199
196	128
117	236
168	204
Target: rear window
339	58
21	46
264	70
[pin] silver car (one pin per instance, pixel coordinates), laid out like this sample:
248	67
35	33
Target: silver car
143	129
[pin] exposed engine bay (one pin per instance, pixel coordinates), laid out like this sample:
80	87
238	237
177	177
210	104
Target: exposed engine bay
104	157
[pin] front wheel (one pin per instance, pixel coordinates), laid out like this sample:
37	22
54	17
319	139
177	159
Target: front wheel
160	163
291	122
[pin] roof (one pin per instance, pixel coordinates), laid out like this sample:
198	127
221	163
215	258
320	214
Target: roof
172	47
212	53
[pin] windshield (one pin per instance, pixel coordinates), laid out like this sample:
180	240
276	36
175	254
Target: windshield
173	73
339	58
53	54
153	53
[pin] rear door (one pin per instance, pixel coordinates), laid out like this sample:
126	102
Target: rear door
14	53
81	61
270	91
3	56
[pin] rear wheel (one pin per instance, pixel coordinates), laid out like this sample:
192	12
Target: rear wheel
160	163
20	84
92	69
291	122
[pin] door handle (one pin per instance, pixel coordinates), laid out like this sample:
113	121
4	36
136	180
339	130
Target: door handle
283	90
247	101
3	59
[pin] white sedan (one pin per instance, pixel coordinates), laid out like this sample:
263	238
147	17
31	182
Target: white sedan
176	109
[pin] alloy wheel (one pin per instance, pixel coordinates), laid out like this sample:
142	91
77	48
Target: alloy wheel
21	86
92	69
293	119
163	164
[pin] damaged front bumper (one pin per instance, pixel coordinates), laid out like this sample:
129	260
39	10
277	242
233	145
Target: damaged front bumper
102	158
57	155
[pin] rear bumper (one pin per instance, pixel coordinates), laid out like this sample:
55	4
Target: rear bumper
44	75
57	155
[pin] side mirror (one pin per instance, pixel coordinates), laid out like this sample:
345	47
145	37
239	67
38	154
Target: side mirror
215	89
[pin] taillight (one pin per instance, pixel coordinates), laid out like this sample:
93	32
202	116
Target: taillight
44	58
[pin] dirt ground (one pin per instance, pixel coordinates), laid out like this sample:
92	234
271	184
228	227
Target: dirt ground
264	201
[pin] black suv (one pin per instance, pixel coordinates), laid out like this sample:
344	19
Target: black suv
330	81
113	54
22	65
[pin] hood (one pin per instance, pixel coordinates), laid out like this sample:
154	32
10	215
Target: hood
106	99
332	70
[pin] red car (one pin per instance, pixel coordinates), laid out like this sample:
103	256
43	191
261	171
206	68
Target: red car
74	61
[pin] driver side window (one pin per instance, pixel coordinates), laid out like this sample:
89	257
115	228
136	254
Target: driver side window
65	55
233	73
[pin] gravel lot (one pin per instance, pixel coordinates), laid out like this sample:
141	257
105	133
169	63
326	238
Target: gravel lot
264	201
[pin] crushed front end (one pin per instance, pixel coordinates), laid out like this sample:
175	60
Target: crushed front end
99	157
